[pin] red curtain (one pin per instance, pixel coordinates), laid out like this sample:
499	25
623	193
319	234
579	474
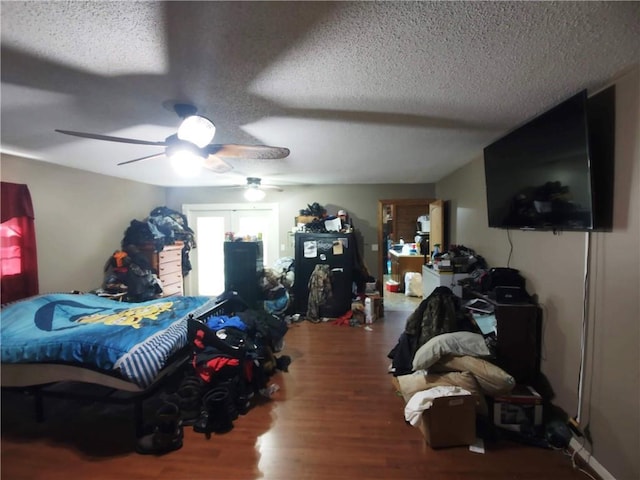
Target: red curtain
18	255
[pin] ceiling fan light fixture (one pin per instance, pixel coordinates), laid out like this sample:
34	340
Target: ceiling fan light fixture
254	194
185	162
198	130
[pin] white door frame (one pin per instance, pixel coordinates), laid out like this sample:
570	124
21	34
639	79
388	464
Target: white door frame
190	210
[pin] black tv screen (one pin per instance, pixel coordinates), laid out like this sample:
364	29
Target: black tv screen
548	173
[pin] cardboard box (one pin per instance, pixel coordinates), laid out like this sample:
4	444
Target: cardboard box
450	422
522	407
304	219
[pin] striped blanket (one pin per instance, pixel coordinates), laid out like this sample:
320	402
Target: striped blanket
134	339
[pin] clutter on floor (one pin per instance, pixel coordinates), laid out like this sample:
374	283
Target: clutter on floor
233	359
452	368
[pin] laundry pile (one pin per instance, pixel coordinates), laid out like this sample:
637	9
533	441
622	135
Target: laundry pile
128	273
233	359
440	346
162	227
276	284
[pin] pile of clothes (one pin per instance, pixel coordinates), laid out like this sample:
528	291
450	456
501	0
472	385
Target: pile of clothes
130	275
128	271
441	346
162	227
276	284
233	358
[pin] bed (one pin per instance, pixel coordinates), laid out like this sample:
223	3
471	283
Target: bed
51	343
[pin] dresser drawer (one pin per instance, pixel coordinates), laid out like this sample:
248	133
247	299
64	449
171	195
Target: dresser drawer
167	263
172	289
167	268
170	255
169	278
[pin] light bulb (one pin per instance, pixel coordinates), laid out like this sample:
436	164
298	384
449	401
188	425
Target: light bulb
197	130
253	194
186	163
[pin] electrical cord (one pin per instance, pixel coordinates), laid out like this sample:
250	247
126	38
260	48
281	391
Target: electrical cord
543	349
585	316
573	460
510	247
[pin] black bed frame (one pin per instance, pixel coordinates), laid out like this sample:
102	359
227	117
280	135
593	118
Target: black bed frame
116	396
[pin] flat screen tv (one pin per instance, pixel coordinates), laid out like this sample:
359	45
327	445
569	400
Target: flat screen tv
555	172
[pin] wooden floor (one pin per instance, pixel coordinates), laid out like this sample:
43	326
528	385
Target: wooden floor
335	416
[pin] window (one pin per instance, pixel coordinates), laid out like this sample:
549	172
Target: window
11	247
18	256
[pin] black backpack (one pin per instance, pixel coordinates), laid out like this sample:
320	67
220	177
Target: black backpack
503	277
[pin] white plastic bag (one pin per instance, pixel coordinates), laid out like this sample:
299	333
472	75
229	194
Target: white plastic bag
413	284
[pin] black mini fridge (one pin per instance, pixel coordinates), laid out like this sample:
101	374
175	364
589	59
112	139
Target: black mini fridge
338	250
243	265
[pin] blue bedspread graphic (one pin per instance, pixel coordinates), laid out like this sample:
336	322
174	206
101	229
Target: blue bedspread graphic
136	338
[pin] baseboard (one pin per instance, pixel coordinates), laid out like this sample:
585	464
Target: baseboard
587	458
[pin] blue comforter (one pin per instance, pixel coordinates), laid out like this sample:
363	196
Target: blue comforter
134	338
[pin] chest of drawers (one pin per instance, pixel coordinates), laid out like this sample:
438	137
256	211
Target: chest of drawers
167	263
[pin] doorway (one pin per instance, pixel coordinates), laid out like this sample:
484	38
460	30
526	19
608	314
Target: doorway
398	220
211	223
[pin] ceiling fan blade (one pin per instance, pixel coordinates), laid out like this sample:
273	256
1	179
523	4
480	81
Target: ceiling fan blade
247	151
109	138
216	164
253	182
142	158
247	187
271	187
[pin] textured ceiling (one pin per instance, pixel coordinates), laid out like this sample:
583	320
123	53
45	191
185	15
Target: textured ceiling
360	92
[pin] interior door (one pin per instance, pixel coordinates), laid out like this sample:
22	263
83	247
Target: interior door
399	216
436	222
211	223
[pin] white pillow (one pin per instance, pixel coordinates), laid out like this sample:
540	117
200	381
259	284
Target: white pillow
454	343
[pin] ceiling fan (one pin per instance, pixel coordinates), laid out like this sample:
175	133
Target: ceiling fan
190	148
254	190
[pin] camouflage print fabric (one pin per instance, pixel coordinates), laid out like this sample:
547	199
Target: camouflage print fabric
319	291
436	314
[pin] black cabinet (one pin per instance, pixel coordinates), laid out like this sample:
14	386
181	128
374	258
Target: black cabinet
243	266
518	341
338	251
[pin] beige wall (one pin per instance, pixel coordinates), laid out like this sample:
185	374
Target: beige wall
553	266
360	201
81	217
80	220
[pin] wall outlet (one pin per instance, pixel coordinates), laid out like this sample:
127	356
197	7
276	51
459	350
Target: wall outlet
374	247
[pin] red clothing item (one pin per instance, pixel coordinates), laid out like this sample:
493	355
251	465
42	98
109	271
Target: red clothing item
344	319
209	369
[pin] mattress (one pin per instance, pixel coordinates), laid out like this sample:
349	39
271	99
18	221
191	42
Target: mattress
133	340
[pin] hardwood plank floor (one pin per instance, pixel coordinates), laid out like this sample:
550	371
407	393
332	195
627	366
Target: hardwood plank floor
335	416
